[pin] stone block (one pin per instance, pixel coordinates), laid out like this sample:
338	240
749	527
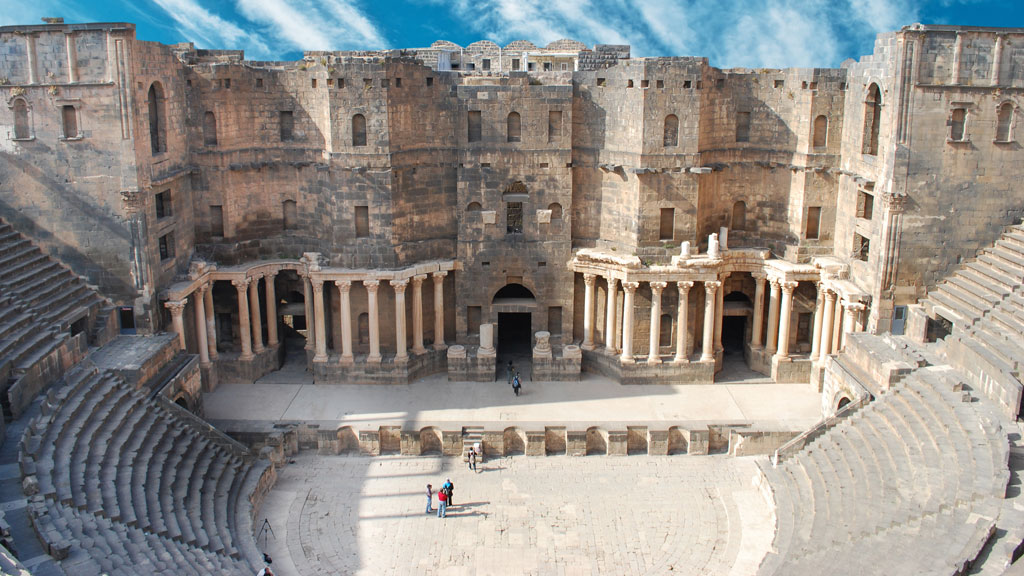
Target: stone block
697	441
576	443
657	442
536	444
618	443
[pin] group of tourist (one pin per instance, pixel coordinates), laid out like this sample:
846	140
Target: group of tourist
444	498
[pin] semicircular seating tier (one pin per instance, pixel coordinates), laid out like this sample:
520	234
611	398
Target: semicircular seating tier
131	485
912	483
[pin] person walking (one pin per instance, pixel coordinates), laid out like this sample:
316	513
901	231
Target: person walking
472	459
442	503
430	498
516	386
511	371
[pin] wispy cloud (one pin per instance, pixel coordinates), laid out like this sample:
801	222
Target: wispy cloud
209	30
751	33
308	25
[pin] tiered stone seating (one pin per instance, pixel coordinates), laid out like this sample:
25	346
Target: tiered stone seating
977	287
891	489
39	298
125	482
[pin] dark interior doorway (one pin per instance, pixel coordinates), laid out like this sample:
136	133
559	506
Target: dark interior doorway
515	343
733	330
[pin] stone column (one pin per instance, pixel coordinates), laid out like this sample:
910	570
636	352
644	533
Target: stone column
773	318
819	311
271	309
254	314
321	327
399	285
588	311
177	308
837	326
828	315
784	321
719	313
211	321
758	323
683	323
653	352
30	51
439	309
609	321
710	290
242	287
371	292
344	296
308	302
627	321
417	314
199	304
72	54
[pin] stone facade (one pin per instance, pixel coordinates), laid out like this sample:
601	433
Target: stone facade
656	212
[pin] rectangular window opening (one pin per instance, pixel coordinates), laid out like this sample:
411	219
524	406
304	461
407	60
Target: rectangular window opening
163	204
486	64
515	63
167	246
474	126
813	222
514	218
286	124
743	126
362	221
217	221
666	229
865	205
430	80
861	247
554	125
687	84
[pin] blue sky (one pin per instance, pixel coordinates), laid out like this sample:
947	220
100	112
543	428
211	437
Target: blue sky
751	33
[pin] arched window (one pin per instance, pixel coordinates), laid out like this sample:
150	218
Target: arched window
515	127
556	210
671	136
359	130
22	126
820	139
209	129
1004	122
872	116
155	102
739	215
473	207
69	120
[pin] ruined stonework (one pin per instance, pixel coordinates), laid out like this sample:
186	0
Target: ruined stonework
375	207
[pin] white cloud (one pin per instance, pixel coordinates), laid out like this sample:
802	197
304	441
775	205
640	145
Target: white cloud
208	30
884	15
309	25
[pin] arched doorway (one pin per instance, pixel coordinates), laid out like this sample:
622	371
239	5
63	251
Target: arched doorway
842	403
514	305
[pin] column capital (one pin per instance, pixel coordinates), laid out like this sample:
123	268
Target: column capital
371	285
589	279
439	276
270	274
343	285
176	306
657	287
684	285
399	285
830	296
630	287
240	283
255	276
200	290
788	285
318	285
775	283
759	276
712	286
855	306
612	281
418	279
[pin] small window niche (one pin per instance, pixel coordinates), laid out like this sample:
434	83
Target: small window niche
216	221
514	127
865	204
958	125
286	125
22	120
163	205
1004	123
289	214
743	126
813	223
670	136
362	216
554	125
555	320
358	130
474	121
514	218
69	122
820	137
666	227
166	246
739	216
861	247
209	129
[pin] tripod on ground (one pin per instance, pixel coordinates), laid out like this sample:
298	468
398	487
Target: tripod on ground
266	530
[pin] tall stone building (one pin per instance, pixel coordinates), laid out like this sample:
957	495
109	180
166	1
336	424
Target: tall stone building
426	210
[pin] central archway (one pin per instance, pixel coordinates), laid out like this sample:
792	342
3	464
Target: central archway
513	305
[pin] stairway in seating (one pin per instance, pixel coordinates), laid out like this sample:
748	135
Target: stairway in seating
40	300
126	485
911	484
471	435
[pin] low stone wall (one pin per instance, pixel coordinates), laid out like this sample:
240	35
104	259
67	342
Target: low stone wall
231	369
736	440
791	371
46	371
986	375
387	371
563	365
465	364
640	372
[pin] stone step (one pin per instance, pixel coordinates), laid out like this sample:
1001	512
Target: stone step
1010	257
36	277
30	264
950	308
987	273
15	252
988	294
1001	266
967	304
1011	242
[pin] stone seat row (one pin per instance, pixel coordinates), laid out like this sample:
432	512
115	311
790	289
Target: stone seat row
887	477
102	449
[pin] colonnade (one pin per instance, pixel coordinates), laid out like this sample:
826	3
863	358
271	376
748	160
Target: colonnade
832	318
206	326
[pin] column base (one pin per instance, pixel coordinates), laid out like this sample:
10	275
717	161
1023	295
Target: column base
320	358
419	350
439	346
705	358
627	360
347	360
374	359
258	350
611	351
781	358
680	360
586	346
653	360
271	344
246	357
401	359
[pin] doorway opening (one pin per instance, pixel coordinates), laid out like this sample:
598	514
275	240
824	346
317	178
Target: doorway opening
515	343
737	309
